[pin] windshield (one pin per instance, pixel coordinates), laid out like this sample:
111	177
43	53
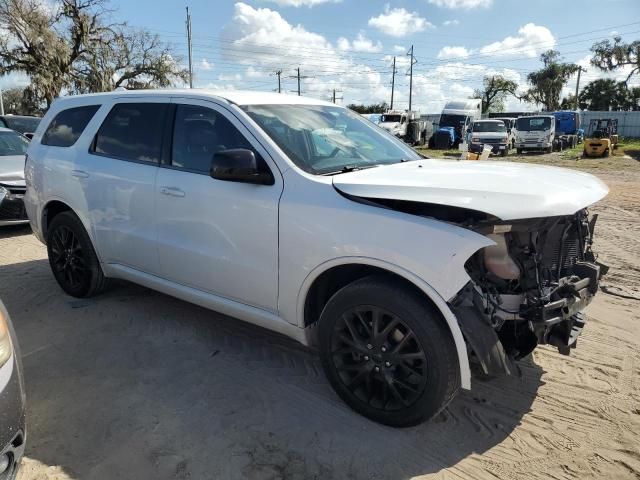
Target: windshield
22	124
321	139
391	118
12	143
529	124
456	121
489	127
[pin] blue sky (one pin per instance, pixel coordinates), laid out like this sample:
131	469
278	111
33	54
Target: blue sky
348	45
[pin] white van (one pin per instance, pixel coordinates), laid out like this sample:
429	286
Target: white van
303	217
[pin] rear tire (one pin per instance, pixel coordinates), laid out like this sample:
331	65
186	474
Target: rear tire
72	258
504	153
519	151
404	375
606	152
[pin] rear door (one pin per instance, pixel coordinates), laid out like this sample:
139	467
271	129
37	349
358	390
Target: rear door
118	177
216	236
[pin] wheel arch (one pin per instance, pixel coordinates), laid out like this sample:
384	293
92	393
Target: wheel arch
54	207
329	277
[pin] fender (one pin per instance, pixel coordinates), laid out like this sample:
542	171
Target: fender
428	290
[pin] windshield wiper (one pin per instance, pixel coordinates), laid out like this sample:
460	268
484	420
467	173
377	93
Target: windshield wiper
349	168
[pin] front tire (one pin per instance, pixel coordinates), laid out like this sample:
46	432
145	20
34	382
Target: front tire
387	352
72	258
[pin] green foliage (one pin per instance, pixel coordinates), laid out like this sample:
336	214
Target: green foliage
495	89
373	108
68	47
609	56
548	82
607	94
19	101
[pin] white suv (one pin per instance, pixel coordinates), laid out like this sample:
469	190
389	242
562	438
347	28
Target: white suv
302	217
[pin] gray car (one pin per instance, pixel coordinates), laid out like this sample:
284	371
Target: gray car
13	147
12	400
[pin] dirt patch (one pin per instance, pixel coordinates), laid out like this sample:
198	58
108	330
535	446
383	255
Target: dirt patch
135	384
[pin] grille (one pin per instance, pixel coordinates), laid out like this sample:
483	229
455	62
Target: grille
12	209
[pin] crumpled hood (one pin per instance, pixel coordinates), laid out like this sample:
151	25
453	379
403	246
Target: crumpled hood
505	190
12	170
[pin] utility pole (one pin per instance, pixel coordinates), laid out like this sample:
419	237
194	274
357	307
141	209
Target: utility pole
334	98
189	47
413	62
2	103
393	81
299	77
278	73
580	69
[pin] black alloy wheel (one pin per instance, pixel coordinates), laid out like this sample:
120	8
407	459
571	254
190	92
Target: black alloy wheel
67	257
378	358
387	352
72	258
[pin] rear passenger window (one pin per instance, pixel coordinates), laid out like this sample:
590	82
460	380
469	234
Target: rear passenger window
132	131
67	126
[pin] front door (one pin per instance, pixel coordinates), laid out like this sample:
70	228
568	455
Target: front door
216	236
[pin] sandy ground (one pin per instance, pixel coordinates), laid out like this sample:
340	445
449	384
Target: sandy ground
135	384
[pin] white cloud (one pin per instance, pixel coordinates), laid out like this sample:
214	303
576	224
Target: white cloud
465	4
252	72
302	3
224	77
453	52
360	44
399	22
448	23
205	64
264	32
531	41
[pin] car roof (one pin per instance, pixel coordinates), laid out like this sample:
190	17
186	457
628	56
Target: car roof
3	129
238	97
496	120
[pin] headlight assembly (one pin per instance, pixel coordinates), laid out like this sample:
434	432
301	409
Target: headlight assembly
5	341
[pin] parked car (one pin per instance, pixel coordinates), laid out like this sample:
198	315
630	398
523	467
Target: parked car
300	216
13	147
12	400
489	132
23	124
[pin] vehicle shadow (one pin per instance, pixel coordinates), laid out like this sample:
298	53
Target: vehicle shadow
9	231
136	384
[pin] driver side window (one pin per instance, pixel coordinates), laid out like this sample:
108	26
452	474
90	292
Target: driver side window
199	133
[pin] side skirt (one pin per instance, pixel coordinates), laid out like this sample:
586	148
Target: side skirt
246	313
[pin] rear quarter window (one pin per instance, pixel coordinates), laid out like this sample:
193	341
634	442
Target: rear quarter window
67	126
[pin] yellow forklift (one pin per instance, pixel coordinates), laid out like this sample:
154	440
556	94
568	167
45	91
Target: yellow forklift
602	138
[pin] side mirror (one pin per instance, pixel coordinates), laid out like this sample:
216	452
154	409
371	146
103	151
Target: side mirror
29	135
239	165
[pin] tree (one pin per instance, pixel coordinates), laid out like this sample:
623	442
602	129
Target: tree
18	101
568	102
607	94
63	46
547	83
495	89
609	56
374	108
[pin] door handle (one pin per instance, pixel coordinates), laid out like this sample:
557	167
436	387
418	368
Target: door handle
172	191
79	174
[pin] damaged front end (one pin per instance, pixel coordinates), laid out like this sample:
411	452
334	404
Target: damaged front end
528	289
